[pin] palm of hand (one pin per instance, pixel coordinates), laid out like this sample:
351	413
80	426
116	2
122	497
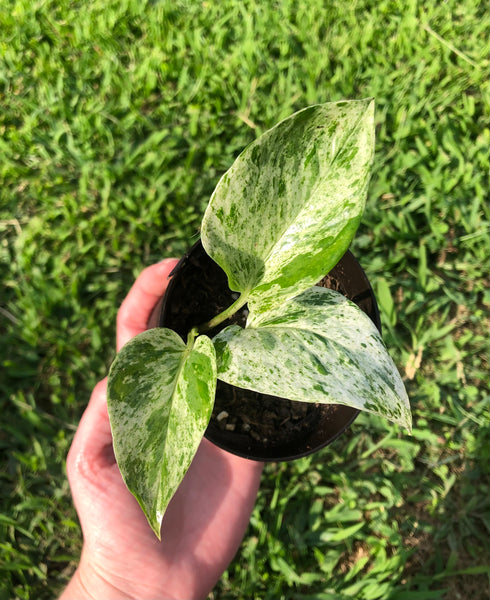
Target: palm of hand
204	523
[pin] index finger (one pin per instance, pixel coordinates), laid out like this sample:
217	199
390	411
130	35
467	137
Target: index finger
136	308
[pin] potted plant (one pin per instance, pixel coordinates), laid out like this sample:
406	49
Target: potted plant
279	219
247	423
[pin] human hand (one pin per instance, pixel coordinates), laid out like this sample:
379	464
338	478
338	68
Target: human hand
203	525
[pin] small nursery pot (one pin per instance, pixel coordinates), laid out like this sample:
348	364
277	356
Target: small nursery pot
246	423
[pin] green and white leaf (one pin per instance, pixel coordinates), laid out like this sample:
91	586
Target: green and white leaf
160	398
286	211
317	347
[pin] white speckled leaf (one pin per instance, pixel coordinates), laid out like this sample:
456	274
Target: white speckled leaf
317	347
160	398
288	208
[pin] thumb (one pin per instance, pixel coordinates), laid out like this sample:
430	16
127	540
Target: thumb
91	450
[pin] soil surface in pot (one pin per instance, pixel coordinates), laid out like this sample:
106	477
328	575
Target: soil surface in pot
273	427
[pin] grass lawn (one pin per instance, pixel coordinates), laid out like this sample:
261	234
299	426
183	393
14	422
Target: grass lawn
117	119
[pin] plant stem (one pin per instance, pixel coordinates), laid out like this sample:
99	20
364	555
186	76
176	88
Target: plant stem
191	336
223	316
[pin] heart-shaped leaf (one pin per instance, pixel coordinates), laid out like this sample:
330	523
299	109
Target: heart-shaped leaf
316	347
286	211
160	399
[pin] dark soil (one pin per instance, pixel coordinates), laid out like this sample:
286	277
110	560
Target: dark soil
197	292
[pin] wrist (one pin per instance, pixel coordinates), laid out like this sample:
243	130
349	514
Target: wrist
88	584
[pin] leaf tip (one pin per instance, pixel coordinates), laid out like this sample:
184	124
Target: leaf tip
155	522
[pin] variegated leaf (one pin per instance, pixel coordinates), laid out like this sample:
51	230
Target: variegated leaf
317	347
288	208
160	399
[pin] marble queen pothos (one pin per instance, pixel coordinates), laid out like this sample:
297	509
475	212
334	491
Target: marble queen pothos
279	219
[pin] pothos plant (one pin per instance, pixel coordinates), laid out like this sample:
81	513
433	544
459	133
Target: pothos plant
279	219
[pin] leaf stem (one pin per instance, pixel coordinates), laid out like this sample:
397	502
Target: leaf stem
191	336
223	316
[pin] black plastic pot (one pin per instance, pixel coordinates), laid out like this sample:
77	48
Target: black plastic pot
197	291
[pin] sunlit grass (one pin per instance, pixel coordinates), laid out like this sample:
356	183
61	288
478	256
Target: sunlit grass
117	120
